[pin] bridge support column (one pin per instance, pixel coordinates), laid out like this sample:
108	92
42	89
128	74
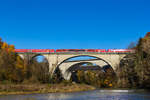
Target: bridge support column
52	60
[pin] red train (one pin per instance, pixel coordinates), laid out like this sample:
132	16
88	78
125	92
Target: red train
35	50
97	50
74	50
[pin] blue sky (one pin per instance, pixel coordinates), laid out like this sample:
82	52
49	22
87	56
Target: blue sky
95	24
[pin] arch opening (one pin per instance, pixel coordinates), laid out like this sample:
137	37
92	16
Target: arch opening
84	67
39	69
70	66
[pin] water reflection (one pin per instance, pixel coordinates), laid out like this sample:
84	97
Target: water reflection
89	95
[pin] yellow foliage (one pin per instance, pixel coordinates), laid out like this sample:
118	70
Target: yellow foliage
4	45
110	85
19	63
10	50
12	46
106	81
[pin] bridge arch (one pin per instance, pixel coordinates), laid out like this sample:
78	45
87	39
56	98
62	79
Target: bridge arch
39	68
30	56
38	55
41	59
73	56
64	65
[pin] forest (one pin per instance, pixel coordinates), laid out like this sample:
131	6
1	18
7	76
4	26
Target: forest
133	71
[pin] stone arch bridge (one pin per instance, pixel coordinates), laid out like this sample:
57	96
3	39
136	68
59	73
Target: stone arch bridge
60	60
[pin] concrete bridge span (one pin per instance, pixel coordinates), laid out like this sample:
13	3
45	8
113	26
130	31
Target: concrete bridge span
60	60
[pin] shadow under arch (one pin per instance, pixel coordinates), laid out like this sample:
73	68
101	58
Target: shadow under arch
78	66
58	70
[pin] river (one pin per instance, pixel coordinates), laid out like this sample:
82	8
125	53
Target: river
88	95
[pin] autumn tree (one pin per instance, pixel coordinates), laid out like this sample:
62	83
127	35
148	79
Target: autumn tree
8	63
134	70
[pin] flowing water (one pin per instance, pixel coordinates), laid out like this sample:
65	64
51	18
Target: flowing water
88	95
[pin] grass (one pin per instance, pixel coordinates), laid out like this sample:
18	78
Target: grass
6	89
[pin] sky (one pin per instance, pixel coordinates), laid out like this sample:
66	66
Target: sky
73	24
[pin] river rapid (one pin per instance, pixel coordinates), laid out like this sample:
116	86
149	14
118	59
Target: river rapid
87	95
